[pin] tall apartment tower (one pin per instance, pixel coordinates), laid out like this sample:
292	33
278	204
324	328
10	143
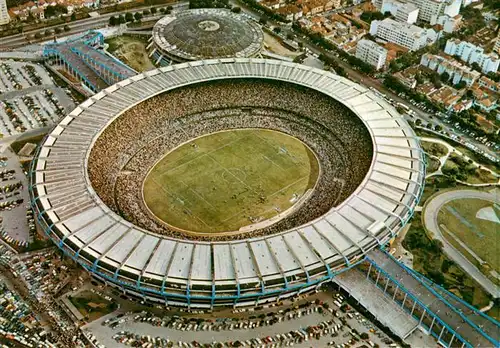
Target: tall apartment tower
4	14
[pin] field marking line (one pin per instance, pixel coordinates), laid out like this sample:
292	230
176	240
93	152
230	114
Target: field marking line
183	199
198	157
287	186
196	193
287	152
228	171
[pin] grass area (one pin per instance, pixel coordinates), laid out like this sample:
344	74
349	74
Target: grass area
434	149
459	168
481	176
92	306
132	51
231	179
432	164
429	260
480	235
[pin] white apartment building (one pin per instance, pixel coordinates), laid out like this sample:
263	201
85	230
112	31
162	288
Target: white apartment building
401	10
457	71
4	13
403	34
470	53
371	53
429	10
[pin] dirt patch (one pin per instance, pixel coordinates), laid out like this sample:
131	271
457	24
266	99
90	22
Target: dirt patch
132	51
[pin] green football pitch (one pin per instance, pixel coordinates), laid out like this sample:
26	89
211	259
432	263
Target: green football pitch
227	180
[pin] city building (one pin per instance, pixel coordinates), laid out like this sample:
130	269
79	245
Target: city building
402	11
470	53
4	13
403	34
487	83
449	24
371	53
458	72
496	48
429	10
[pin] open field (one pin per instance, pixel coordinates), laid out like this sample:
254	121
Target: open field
132	51
434	149
228	180
92	306
480	235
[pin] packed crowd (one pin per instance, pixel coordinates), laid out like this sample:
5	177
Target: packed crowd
125	151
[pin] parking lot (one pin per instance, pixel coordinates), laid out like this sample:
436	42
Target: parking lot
29	98
17	224
319	321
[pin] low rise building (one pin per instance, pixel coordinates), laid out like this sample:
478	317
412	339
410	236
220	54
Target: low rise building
449	24
457	72
403	34
470	53
371	53
487	83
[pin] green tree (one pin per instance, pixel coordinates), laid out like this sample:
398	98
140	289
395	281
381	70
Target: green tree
445	76
146	12
129	17
236	9
137	16
67	28
113	20
122	19
153	10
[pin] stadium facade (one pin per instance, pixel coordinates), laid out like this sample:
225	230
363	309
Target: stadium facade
204	34
245	272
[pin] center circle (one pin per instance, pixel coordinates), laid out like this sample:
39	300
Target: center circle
209	25
231	182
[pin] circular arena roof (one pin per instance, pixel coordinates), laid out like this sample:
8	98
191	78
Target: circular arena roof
105	243
207	33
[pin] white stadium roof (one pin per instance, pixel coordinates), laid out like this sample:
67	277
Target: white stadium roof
386	197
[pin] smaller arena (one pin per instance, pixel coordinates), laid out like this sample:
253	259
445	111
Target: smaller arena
204	34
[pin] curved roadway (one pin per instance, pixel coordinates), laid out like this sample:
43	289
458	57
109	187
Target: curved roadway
429	216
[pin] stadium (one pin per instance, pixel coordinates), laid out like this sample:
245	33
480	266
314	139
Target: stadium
204	34
219	134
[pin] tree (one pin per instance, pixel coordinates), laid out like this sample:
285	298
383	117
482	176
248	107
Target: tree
163	9
445	76
263	20
153	10
170	7
438	128
476	66
73	17
146	12
364	336
129	17
418	122
113	20
461	84
137	16
236	9
277	30
67	28
38	35
121	19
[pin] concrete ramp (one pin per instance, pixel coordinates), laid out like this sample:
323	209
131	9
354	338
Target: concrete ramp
381	306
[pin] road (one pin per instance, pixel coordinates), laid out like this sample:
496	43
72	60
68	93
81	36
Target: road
76	26
430	214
